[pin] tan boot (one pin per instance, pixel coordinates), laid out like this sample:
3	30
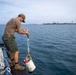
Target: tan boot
12	63
19	67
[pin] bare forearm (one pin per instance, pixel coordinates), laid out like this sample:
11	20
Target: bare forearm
21	31
25	31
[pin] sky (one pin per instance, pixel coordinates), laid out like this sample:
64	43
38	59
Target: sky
39	11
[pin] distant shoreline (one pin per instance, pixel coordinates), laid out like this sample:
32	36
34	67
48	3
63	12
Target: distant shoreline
47	24
59	23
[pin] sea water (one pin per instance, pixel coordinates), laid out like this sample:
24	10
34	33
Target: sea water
53	48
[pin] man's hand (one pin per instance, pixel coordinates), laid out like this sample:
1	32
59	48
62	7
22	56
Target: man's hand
27	35
26	32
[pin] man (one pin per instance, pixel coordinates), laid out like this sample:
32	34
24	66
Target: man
13	26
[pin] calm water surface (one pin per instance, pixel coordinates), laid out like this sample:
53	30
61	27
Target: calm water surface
53	48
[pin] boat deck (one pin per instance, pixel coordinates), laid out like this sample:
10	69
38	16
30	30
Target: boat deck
18	72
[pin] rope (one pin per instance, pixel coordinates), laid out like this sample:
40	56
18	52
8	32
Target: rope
28	45
28	55
6	69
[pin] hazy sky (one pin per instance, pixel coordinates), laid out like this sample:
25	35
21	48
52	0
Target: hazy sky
39	11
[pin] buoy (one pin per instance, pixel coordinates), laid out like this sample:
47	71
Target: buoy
29	64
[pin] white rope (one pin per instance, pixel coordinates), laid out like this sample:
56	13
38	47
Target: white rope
6	69
28	45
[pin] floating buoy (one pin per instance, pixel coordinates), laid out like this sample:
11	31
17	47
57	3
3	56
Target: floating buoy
29	64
